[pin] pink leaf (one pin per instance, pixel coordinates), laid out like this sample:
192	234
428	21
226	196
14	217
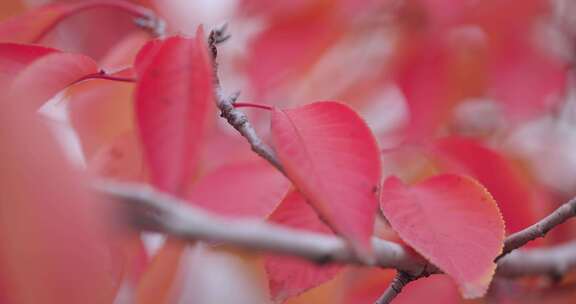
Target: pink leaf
242	189
451	220
173	97
517	197
15	57
331	156
120	160
32	25
527	82
275	59
54	246
288	276
146	54
49	75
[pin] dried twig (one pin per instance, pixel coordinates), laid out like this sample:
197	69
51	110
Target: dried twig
235	117
148	209
553	261
520	238
402	279
410	267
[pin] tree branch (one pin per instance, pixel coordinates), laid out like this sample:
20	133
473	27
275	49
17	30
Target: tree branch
235	117
147	209
552	261
520	238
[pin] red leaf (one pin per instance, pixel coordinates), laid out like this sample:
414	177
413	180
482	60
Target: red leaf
10	8
49	75
242	189
435	75
146	54
100	111
424	80
516	196
331	156
173	97
53	245
31	26
451	220
276	59
15	57
526	81
120	160
288	276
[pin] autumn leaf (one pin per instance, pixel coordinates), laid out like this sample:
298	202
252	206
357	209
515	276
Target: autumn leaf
33	25
120	160
146	54
275	60
173	99
251	188
450	220
516	195
53	241
49	75
101	110
289	276
526	81
15	57
331	156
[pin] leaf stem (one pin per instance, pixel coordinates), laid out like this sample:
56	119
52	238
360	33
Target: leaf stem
253	105
400	281
106	76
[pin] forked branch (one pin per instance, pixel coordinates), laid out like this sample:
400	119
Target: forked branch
144	208
552	261
235	117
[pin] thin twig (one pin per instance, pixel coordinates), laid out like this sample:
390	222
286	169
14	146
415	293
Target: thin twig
553	261
236	118
148	209
240	122
410	266
520	238
105	76
400	280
